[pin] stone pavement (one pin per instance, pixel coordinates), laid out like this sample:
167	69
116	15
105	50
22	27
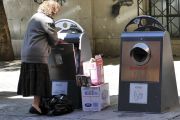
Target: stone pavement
15	107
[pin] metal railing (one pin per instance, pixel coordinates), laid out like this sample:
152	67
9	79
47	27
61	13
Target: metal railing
166	11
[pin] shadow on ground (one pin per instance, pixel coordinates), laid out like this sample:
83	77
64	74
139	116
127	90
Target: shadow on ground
6	66
7	93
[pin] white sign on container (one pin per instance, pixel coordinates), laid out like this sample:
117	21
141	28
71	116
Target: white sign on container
138	93
59	87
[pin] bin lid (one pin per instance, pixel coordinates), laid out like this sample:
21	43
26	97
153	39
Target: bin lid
67	25
69	37
70	31
145	23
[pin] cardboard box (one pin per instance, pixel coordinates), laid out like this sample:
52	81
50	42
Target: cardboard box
95	70
83	80
95	98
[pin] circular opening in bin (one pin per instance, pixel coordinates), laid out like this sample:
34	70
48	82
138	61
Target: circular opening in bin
140	53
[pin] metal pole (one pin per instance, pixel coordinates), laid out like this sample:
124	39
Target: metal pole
138	7
162	11
150	8
145	7
179	17
171	20
167	14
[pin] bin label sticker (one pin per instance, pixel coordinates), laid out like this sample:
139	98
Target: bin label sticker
138	68
58	58
59	88
138	93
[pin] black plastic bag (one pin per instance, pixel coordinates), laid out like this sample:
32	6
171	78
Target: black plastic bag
58	105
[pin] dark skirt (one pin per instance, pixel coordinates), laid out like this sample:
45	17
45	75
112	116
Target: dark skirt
34	79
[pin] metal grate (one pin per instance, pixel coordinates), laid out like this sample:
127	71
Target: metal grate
166	11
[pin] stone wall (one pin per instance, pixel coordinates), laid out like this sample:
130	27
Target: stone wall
20	11
102	20
109	20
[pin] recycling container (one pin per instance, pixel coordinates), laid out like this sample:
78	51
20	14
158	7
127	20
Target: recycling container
147	81
65	60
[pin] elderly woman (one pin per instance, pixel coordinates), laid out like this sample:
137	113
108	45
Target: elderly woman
40	35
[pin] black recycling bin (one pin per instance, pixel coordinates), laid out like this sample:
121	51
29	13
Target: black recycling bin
147	81
65	60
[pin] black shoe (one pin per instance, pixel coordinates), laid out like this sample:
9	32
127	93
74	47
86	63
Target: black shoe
43	109
34	111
